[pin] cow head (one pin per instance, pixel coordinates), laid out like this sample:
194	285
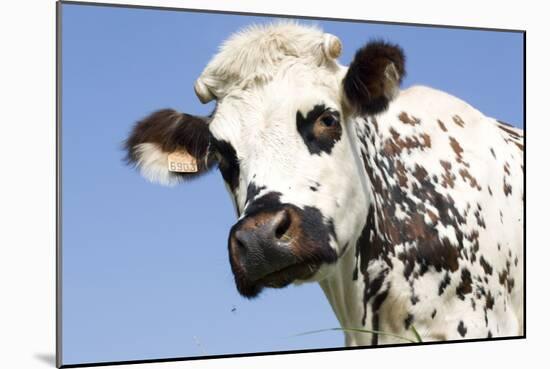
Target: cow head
282	137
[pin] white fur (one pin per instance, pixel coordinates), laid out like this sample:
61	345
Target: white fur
254	55
153	164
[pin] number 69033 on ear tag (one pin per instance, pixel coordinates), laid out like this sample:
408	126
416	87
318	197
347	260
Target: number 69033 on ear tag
182	162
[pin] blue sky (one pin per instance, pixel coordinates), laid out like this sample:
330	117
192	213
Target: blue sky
145	267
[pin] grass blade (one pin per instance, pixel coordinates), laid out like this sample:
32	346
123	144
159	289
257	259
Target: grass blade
418	338
361	331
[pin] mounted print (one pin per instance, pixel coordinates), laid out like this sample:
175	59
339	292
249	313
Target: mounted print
241	184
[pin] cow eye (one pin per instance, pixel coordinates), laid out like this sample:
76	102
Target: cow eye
329	120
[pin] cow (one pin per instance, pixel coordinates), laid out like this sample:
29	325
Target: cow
406	206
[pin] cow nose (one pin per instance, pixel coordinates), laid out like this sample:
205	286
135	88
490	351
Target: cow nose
261	244
273	228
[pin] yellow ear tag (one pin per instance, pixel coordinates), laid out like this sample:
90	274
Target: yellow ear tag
182	162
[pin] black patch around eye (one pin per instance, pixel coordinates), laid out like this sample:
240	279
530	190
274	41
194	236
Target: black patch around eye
229	164
319	139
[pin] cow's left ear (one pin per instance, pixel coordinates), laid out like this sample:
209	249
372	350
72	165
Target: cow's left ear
168	146
374	76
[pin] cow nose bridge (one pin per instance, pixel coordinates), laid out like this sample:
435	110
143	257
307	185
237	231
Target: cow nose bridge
261	243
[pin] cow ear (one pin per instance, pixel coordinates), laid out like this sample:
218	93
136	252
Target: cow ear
374	76
168	147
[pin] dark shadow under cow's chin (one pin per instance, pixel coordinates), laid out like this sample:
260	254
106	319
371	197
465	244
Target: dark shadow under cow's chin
279	279
276	244
282	278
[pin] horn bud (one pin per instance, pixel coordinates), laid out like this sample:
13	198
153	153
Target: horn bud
332	47
203	92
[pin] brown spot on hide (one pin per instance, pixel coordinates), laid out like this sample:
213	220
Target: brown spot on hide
466	176
405	118
459	122
448	177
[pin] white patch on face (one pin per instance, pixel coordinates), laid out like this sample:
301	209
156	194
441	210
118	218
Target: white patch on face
153	164
260	123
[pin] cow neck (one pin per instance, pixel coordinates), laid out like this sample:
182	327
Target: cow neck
352	291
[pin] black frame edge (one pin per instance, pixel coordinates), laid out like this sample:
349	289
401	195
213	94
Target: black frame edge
58	234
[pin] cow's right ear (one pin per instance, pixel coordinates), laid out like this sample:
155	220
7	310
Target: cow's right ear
168	147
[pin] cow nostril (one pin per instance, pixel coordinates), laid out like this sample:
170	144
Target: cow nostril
284	225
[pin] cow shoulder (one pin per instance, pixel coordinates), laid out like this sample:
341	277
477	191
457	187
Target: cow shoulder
439	170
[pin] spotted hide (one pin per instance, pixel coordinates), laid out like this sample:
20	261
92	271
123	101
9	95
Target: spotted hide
442	244
406	206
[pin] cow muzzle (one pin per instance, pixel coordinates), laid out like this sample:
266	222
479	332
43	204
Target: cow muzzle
276	246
